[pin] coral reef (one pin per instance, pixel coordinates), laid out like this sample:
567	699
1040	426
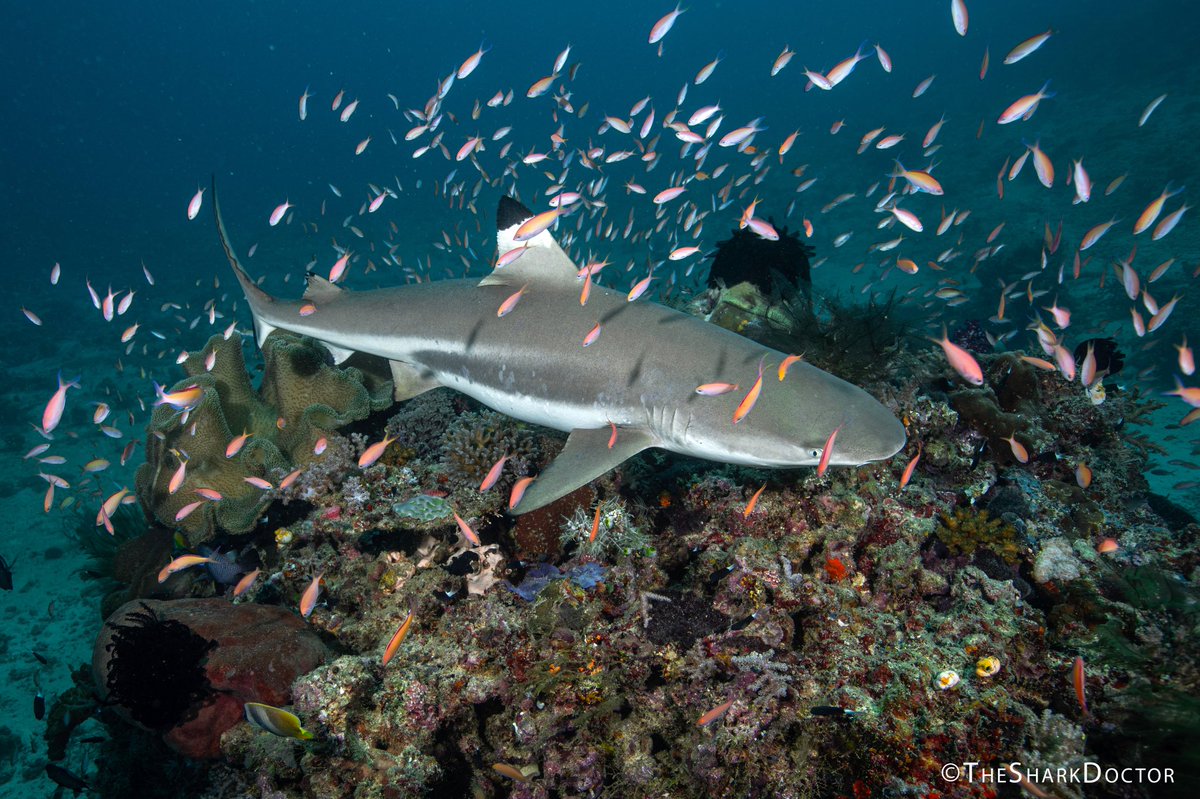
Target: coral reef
302	398
645	636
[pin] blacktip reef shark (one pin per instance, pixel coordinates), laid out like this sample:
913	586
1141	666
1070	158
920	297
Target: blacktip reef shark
639	377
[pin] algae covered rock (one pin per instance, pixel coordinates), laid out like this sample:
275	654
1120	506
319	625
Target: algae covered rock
302	397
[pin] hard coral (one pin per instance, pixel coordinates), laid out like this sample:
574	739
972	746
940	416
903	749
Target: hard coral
302	397
476	440
969	529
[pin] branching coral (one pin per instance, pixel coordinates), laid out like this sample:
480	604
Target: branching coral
476	440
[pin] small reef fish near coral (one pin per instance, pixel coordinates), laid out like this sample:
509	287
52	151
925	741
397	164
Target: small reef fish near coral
710	401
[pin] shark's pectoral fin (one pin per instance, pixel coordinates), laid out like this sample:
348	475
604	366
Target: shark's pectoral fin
408	381
585	457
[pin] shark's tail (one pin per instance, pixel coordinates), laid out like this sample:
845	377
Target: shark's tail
255	296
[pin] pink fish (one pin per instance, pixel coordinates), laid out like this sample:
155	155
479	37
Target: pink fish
962	361
664	25
308	600
639	288
193	208
53	412
666	195
958	14
471	63
535	225
885	60
715	389
466	530
518	491
339	266
1024	107
374	452
827	451
278	213
493	474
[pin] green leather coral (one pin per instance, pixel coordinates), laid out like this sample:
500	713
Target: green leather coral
302	398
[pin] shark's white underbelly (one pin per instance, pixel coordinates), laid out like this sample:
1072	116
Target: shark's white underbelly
555	414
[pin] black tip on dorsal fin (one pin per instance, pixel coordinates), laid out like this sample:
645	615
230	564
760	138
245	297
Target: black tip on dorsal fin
510	212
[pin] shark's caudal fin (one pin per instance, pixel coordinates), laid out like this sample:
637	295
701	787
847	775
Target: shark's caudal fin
256	297
542	261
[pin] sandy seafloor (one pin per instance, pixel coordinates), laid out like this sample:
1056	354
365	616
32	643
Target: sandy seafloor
50	608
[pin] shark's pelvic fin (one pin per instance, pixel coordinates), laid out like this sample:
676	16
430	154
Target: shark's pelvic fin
585	457
408	381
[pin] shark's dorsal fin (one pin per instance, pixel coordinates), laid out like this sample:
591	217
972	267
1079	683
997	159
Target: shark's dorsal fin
318	289
542	263
585	457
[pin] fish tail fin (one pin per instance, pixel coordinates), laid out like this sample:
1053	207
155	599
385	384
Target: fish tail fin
255	296
1042	91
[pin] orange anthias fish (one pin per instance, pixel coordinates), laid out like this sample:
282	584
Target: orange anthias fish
308	600
823	464
1079	679
751	397
397	639
753	501
714	714
375	451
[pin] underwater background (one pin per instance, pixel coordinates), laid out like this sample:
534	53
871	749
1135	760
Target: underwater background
819	629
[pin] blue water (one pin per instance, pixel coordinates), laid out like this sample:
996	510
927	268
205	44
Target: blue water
113	116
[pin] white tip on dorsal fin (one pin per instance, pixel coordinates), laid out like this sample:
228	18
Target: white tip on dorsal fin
542	262
319	289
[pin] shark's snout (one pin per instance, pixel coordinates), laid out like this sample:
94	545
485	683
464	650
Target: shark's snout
872	434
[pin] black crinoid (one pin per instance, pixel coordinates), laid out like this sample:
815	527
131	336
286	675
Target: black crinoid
747	256
156	670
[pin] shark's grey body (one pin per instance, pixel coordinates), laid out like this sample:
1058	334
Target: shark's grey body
640	375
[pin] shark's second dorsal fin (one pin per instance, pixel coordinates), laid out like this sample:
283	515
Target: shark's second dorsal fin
318	289
543	261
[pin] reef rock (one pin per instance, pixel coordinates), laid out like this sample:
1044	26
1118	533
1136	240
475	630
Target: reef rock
185	668
302	397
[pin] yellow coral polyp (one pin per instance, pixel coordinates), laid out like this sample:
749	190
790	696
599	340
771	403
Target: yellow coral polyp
283	536
987	666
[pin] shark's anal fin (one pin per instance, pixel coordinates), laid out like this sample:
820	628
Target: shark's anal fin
585	457
408	381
